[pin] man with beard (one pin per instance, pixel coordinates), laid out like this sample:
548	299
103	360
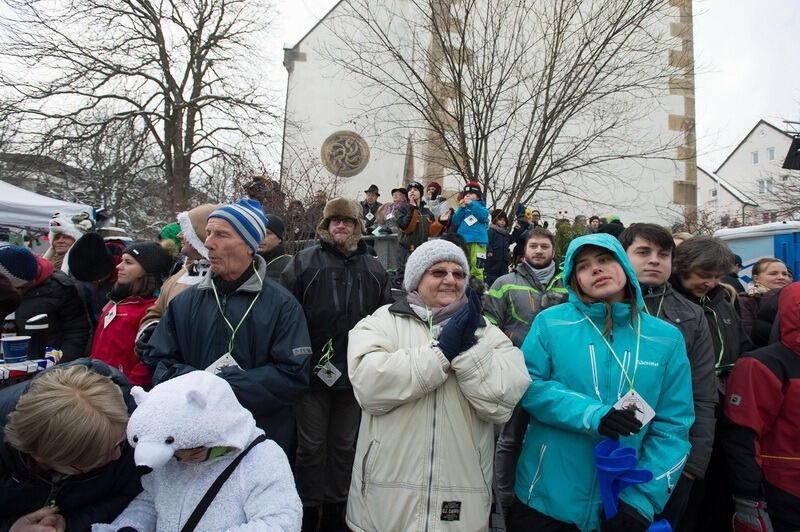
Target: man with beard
337	283
511	304
649	248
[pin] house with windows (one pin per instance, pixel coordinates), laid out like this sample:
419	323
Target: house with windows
741	191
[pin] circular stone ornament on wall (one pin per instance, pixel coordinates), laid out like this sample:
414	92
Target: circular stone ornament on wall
345	153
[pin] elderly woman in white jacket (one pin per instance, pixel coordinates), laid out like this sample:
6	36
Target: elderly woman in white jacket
432	376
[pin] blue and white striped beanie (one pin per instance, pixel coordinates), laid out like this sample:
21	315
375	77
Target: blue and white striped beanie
247	218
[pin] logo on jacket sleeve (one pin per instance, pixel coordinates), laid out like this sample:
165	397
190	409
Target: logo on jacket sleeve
451	510
735	399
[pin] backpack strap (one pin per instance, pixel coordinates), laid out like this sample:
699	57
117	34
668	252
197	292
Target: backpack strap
202	506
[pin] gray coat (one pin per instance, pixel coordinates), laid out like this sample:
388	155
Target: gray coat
516	298
688	318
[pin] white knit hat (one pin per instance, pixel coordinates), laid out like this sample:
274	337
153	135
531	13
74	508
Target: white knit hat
427	255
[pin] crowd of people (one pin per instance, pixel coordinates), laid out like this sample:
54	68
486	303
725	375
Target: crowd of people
236	385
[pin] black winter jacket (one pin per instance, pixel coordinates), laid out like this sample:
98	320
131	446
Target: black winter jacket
369	212
94	497
497	254
665	303
336	292
271	347
725	326
62	299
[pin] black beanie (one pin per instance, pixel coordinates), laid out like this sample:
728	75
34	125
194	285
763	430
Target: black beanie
151	257
275	225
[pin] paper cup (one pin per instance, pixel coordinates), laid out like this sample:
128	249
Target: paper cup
15	348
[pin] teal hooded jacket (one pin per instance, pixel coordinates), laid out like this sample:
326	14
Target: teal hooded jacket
576	381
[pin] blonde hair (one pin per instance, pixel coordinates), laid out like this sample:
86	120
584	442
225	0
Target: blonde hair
763	264
69	417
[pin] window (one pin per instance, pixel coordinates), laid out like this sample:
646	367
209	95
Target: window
713	192
770	154
765	217
755	157
764	186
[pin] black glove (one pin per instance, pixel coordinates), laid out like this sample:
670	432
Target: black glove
626	520
619	423
459	333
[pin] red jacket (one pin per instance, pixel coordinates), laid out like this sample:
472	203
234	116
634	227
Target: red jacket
761	427
114	344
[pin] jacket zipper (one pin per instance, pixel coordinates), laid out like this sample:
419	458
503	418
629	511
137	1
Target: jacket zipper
364	470
669	473
594	372
433	451
536	475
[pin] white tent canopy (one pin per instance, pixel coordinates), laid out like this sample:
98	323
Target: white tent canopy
23	208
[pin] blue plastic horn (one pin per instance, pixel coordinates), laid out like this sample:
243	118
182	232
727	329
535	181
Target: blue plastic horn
615	472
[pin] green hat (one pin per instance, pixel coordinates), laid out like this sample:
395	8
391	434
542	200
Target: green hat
170	232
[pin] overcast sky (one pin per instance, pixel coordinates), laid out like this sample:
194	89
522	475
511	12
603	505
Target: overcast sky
746	56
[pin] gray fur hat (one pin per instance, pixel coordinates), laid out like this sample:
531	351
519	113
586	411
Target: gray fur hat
427	255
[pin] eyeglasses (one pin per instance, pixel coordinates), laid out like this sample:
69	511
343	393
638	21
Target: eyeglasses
458	275
340	220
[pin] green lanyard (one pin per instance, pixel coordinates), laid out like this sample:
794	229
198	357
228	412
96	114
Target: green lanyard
616	357
661	302
246	313
718	365
327	355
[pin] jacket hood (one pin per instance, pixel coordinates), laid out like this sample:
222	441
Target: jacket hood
197	409
789	314
46	269
502	230
604	241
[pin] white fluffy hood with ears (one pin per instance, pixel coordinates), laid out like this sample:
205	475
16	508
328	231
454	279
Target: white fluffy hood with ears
197	409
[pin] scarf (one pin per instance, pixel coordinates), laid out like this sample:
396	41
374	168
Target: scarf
543	275
438	315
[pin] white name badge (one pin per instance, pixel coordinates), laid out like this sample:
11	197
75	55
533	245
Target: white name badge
329	374
389	216
225	361
470	220
369	216
110	315
635	402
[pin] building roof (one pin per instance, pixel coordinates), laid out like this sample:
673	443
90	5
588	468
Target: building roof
295	45
744	139
735	192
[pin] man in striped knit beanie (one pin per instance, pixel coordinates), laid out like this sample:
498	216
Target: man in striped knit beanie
238	324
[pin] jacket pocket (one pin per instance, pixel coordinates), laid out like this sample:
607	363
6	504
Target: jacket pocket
538	474
367	463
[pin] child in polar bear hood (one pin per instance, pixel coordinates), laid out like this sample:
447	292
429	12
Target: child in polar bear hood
189	430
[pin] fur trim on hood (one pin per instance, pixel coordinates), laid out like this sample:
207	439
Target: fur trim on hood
193	226
344	208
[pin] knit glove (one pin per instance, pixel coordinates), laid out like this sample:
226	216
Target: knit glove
619	423
751	516
627	519
458	334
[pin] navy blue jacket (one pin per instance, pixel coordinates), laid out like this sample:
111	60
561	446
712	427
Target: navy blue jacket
271	347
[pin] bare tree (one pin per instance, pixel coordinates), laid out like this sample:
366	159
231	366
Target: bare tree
519	95
181	69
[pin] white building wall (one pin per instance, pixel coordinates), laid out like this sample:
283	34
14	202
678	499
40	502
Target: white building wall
321	100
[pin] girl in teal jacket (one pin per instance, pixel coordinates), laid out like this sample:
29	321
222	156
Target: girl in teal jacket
591	361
